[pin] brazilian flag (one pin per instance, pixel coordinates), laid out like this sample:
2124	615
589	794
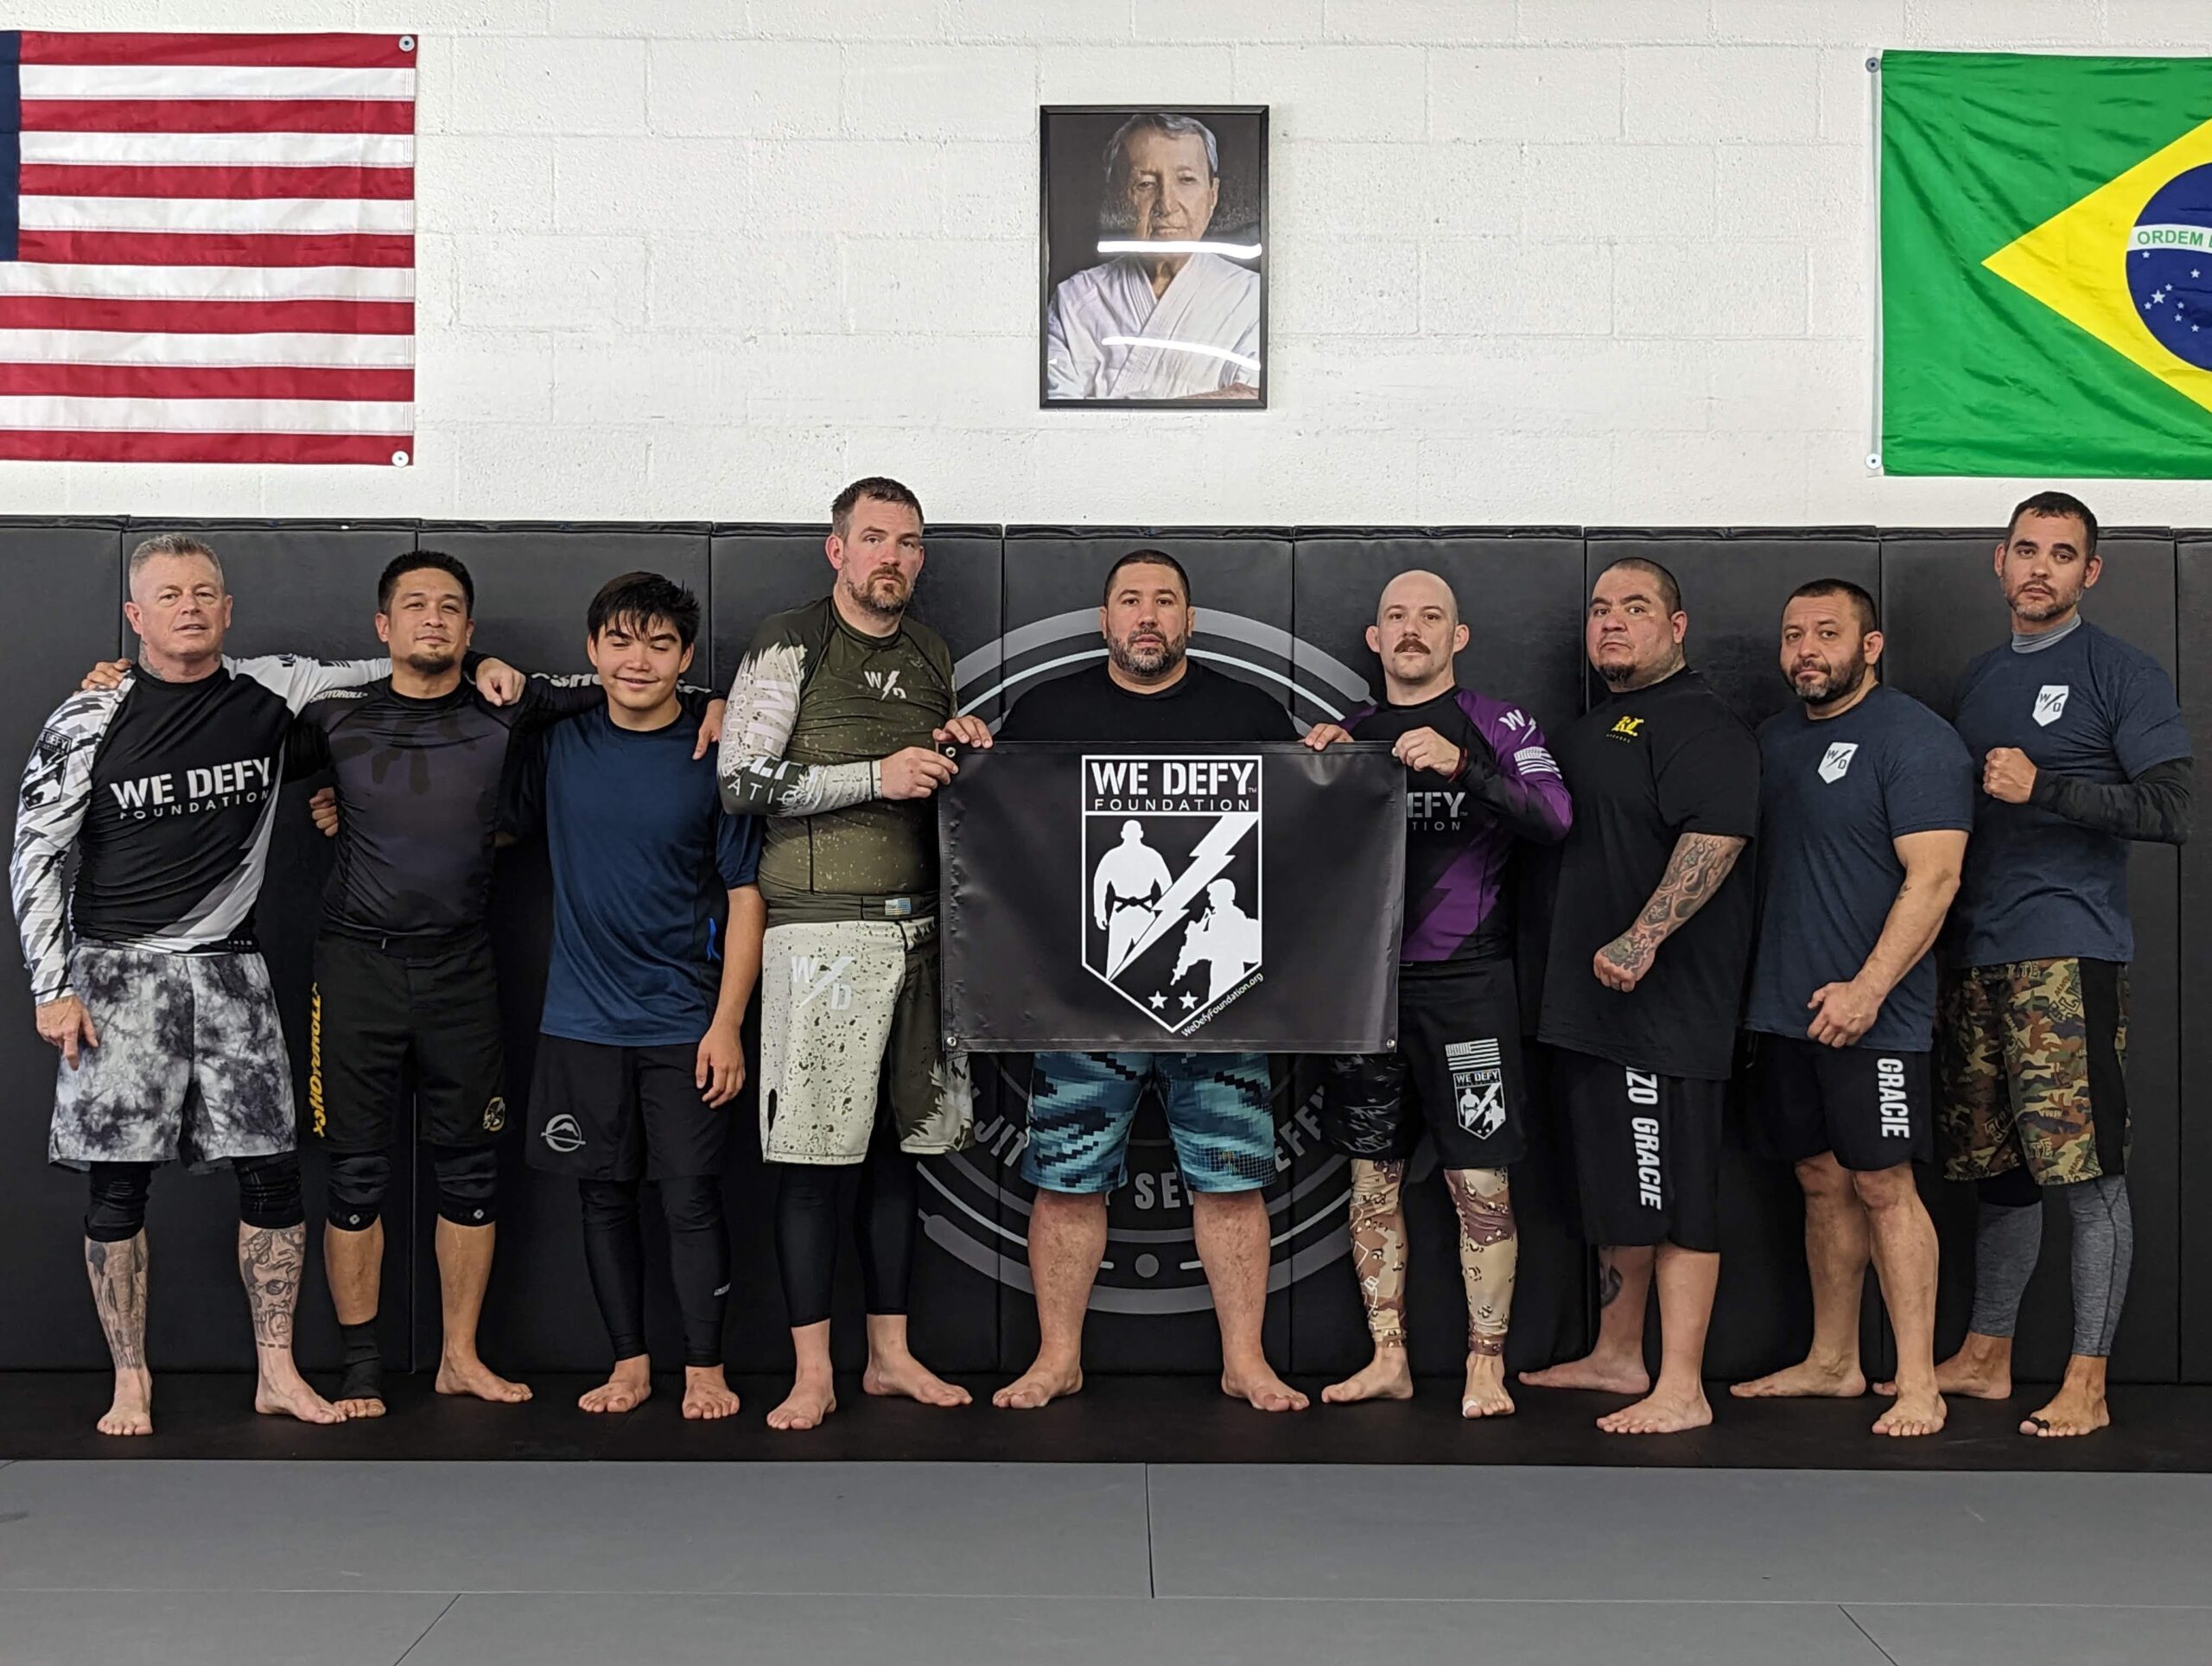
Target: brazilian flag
2046	265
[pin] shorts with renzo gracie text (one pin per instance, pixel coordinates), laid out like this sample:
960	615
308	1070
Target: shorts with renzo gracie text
1867	1105
1082	1106
1647	1151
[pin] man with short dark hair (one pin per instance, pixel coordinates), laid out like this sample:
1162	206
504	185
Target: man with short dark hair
163	789
836	714
2082	749
1641	997
657	920
1865	799
1081	1105
1479	780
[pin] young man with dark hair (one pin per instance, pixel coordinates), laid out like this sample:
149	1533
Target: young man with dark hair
836	717
2082	749
1865	799
656	920
1479	780
1081	1105
1643	986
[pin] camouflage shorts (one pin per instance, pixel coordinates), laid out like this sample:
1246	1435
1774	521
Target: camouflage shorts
2028	1068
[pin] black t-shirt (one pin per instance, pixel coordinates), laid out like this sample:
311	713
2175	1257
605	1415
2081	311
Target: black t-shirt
1202	705
1645	768
418	799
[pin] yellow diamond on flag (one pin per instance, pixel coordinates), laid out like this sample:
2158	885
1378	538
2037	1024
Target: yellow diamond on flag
2132	264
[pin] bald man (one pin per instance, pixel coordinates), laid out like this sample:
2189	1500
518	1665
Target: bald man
1478	781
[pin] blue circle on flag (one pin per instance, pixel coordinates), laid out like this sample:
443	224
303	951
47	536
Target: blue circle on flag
2170	266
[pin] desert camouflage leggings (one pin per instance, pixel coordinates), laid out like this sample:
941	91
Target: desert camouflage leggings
1488	1250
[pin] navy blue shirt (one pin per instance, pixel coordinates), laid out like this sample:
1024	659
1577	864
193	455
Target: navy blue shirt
643	860
1834	793
2037	887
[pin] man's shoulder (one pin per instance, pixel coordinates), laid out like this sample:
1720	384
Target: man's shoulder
1221	270
2117	654
924	640
1251	703
804	625
1499	718
334	706
1697	708
81	717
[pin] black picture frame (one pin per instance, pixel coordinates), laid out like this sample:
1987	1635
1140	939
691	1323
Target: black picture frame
1068	219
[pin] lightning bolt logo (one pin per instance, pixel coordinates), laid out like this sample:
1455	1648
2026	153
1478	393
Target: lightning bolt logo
1207	861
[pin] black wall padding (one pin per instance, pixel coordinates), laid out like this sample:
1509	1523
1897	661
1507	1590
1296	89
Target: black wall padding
1284	607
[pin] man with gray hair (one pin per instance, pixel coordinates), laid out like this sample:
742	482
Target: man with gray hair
1176	320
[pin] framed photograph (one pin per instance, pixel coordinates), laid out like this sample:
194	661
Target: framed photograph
1154	266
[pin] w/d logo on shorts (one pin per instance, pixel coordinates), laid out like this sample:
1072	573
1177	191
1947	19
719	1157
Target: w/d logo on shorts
1837	761
2050	702
1477	1085
561	1135
812	982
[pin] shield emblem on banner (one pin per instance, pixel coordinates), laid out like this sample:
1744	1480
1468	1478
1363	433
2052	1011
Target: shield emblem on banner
1172	881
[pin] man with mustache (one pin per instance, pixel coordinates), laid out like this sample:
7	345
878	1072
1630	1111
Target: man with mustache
1479	780
1865	799
1083	1105
832	734
2082	749
1180	324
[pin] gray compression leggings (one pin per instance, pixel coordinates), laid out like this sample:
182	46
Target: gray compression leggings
2009	1236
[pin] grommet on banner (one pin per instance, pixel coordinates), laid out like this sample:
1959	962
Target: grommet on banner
1874	460
399	459
1874	66
407	43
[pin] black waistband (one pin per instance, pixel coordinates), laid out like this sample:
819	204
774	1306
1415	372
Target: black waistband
409	945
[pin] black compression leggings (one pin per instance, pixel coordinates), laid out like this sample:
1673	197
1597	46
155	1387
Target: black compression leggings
883	1223
698	1257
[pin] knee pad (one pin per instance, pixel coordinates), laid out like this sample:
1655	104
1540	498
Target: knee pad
691	1202
2014	1189
268	1190
468	1185
119	1201
355	1192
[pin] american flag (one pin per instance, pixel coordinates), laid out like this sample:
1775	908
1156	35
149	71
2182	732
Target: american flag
207	247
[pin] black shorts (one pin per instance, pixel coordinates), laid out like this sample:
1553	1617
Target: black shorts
374	1010
1459	1059
607	1113
1869	1106
1647	1151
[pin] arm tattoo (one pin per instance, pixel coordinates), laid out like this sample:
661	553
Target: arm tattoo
1701	863
118	1275
270	1260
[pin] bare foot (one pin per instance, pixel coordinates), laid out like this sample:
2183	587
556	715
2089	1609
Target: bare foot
628	1386
362	1406
1039	1385
1655	1413
1807	1380
1485	1396
1960	1375
1386	1376
1921	1412
133	1410
707	1394
473	1377
896	1375
291	1397
1593	1372
1262	1388
2075	1410
811	1399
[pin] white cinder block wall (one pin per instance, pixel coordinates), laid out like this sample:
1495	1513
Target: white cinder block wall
1532	260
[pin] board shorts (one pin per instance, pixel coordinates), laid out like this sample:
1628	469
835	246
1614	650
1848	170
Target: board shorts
1647	1151
2031	1068
1082	1106
1871	1106
377	1008
848	1017
190	1065
1459	1063
599	1112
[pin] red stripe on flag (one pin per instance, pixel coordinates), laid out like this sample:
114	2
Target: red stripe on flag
217	248
219	116
106	446
290	51
79	312
102	180
209	382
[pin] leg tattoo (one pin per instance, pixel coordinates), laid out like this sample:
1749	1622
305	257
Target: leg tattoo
1379	1247
1489	1253
270	1259
118	1276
